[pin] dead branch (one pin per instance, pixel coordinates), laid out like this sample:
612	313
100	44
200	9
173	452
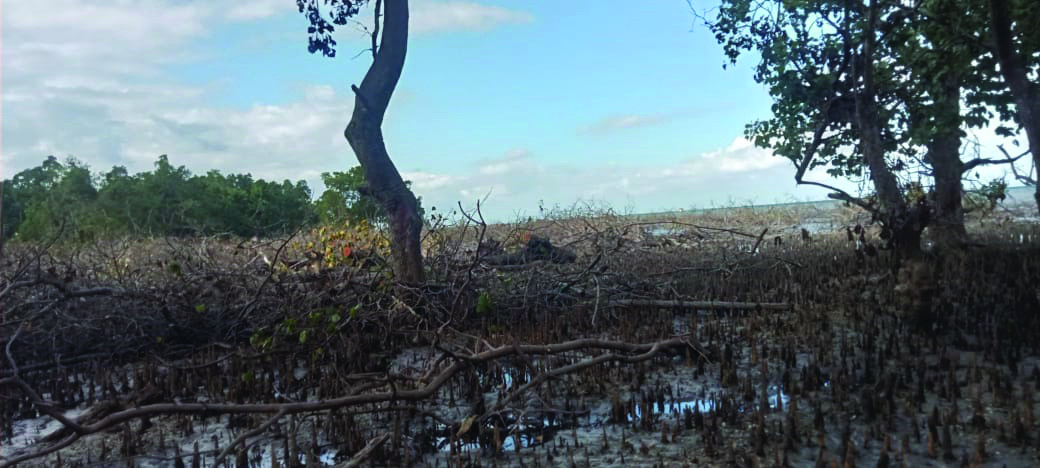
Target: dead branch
245	435
702	305
969	165
366	452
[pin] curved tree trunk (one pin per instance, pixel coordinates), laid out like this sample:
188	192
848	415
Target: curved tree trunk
1025	94
365	134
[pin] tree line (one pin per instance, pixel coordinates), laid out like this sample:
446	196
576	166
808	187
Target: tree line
66	199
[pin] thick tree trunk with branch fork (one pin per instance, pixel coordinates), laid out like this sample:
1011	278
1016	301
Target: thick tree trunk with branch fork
902	222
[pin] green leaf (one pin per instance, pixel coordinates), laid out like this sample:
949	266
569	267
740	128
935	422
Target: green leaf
484	304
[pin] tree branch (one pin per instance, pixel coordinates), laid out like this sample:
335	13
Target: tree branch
710	305
366	452
968	166
375	29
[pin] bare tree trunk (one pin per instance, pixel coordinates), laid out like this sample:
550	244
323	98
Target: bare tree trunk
364	132
902	223
947	168
1025	94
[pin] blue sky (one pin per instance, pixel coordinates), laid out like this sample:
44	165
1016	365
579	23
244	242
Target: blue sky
620	104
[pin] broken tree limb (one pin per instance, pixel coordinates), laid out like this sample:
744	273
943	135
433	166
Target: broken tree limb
703	304
366	452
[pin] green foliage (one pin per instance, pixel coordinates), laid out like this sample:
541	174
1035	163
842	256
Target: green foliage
317	326
344	201
51	199
484	304
65	197
984	199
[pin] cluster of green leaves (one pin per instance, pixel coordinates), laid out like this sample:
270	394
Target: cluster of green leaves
317	326
344	201
66	197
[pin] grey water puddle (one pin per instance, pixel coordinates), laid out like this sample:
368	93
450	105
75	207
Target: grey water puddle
776	399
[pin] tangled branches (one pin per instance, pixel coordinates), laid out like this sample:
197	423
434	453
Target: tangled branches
132	334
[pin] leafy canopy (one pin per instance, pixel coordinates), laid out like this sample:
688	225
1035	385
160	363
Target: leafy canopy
811	60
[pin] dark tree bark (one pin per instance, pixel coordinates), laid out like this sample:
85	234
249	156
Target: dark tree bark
902	223
1025	94
365	134
944	153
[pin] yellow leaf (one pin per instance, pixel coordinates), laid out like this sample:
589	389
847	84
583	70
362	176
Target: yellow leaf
466	423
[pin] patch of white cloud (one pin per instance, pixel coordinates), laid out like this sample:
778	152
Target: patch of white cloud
740	156
616	123
425	181
257	9
514	160
433	16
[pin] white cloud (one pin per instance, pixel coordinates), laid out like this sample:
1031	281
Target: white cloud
431	16
615	123
740	156
513	160
483	192
423	181
257	9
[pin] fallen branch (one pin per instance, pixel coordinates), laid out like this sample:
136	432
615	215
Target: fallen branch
366	452
709	305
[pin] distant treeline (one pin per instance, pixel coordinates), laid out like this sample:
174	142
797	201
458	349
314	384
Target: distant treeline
67	198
